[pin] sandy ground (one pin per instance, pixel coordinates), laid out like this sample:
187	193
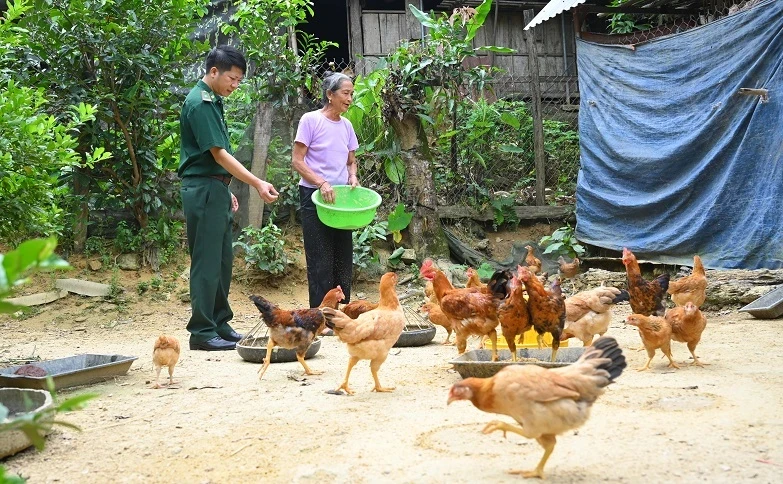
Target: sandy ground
219	423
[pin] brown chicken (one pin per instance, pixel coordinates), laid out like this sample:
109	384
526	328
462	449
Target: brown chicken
546	307
473	279
687	324
646	296
545	402
354	308
533	262
568	270
294	329
692	288
372	334
588	313
165	353
656	333
513	315
435	314
473	310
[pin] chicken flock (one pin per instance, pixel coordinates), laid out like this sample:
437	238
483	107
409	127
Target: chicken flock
545	402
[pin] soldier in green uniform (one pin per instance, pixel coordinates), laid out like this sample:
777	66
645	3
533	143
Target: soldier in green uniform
206	168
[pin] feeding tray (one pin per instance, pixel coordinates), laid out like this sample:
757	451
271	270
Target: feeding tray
19	402
68	372
768	306
353	207
415	335
254	350
479	363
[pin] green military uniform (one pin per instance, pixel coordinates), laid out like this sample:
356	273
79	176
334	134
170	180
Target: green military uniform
206	200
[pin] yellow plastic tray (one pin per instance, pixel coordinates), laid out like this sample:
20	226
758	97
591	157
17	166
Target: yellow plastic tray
530	341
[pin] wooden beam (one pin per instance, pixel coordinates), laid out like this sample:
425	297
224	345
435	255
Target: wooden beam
355	39
538	120
523	213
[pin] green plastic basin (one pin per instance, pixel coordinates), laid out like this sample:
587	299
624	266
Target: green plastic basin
352	208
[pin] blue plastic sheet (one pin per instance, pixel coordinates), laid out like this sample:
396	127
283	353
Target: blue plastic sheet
674	161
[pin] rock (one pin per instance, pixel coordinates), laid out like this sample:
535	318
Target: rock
95	265
408	256
482	244
128	262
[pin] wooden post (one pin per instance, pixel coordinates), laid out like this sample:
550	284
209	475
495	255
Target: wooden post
538	120
262	133
355	40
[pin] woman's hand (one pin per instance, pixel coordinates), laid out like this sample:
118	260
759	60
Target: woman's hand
327	192
353	181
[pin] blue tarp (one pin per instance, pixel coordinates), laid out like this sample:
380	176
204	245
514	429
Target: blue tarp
674	161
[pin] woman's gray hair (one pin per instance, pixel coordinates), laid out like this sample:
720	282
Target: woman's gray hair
332	83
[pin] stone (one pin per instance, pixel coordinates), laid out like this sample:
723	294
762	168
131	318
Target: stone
95	265
408	256
128	262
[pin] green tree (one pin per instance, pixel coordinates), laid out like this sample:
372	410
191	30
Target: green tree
126	57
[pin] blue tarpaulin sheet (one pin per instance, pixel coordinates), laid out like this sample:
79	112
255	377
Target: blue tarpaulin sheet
674	161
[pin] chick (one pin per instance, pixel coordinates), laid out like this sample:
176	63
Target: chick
165	353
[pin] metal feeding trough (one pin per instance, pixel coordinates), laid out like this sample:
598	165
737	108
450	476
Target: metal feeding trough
253	349
417	332
479	363
768	306
66	372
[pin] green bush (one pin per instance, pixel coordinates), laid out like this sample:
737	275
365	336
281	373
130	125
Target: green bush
264	248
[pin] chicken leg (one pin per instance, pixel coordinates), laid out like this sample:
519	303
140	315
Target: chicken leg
692	349
547	441
307	369
352	361
375	365
267	359
493	338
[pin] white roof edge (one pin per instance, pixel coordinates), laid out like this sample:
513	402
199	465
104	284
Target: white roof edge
552	9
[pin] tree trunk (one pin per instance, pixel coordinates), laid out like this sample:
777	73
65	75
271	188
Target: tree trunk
81	191
425	234
538	118
262	133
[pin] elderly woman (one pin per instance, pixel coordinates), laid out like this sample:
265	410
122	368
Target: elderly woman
323	154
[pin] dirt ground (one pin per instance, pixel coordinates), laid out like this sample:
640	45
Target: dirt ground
219	423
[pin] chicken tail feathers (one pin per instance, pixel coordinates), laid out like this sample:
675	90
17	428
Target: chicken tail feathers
663	281
264	307
623	295
333	317
606	347
498	283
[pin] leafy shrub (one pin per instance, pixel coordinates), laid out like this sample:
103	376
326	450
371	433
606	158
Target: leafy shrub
263	248
562	242
364	255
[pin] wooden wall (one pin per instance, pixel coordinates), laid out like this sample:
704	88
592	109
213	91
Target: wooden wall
379	32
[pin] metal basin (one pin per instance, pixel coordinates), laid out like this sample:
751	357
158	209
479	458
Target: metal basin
254	350
478	363
20	401
415	336
69	372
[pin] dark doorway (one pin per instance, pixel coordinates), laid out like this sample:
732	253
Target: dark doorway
330	22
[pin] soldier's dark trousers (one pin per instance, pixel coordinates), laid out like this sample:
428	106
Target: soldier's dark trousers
207	205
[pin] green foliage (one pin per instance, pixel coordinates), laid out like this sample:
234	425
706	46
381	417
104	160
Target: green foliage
364	255
36	150
263	248
398	221
30	256
125	58
625	23
562	242
485	271
161	236
503	210
262	27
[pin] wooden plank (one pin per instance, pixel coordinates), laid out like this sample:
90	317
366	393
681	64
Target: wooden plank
390	31
523	213
413	27
371	33
538	120
355	42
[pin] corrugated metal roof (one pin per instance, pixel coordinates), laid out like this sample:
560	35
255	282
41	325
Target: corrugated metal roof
553	8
